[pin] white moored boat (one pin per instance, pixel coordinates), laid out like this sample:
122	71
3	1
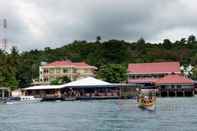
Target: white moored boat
22	99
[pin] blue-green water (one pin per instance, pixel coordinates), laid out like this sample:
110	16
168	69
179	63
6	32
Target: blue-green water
172	114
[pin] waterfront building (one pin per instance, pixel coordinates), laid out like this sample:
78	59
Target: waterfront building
165	76
195	86
57	69
89	87
175	85
174	81
42	91
148	73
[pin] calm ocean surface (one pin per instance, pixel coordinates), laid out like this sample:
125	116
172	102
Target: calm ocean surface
172	114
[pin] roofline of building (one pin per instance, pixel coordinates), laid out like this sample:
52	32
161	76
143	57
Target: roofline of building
4	88
174	83
145	73
155	62
71	66
88	86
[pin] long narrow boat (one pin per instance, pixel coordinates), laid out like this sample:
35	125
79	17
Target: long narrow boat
147	99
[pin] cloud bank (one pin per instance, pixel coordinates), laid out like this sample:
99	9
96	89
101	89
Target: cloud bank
36	24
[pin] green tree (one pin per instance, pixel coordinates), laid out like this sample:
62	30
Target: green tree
64	79
8	71
61	80
167	44
191	39
55	82
183	41
194	59
194	73
141	46
114	73
98	39
24	72
141	41
114	52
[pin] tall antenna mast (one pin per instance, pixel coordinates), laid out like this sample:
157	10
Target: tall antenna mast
4	41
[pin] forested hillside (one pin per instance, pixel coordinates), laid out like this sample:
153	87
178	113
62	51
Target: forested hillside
18	69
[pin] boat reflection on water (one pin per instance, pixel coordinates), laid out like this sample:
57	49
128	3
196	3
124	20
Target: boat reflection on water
147	99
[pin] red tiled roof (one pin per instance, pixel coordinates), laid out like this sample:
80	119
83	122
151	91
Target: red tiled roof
59	63
69	63
159	67
143	80
174	79
80	64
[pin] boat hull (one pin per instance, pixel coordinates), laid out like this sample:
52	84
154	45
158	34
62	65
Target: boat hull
22	100
147	103
151	108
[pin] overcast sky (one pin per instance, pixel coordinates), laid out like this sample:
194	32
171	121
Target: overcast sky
40	23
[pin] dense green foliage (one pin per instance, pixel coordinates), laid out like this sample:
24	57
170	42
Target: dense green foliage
60	81
114	73
194	75
18	69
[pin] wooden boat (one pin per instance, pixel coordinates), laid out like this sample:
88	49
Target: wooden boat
147	99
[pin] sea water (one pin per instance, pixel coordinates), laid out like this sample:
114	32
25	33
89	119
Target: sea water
171	114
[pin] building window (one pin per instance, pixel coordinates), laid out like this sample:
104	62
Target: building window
179	86
58	70
45	79
74	70
163	87
51	71
86	71
65	70
45	70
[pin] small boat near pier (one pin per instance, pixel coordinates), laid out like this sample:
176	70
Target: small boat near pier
147	99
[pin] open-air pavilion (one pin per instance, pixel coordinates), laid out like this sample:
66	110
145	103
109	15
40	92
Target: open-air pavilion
43	91
90	88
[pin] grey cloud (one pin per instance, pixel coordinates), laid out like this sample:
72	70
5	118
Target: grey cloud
37	24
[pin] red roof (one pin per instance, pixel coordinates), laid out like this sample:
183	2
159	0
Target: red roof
80	64
143	80
174	79
159	67
70	63
59	63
